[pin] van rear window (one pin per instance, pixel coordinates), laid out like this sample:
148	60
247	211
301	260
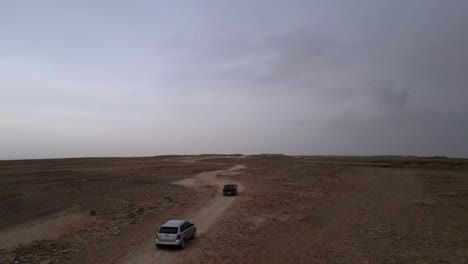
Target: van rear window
168	230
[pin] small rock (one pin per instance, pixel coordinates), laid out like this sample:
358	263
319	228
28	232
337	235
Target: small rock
424	202
47	261
448	194
65	251
92	212
141	209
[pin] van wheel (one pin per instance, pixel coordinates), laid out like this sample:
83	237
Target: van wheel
182	245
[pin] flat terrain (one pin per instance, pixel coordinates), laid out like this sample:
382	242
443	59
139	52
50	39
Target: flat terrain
311	209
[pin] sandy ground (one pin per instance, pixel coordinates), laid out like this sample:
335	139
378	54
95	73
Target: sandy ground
290	209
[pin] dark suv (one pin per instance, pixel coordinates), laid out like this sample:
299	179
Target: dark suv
230	189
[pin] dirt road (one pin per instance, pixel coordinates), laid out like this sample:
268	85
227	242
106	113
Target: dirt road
203	217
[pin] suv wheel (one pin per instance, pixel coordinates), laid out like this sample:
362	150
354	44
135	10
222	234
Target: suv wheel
194	235
182	245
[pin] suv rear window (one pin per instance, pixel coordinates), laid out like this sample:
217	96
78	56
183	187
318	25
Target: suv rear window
230	186
168	230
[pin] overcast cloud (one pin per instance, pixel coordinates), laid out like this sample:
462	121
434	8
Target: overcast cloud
126	78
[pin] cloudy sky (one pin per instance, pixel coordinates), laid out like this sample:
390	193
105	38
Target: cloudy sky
127	78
